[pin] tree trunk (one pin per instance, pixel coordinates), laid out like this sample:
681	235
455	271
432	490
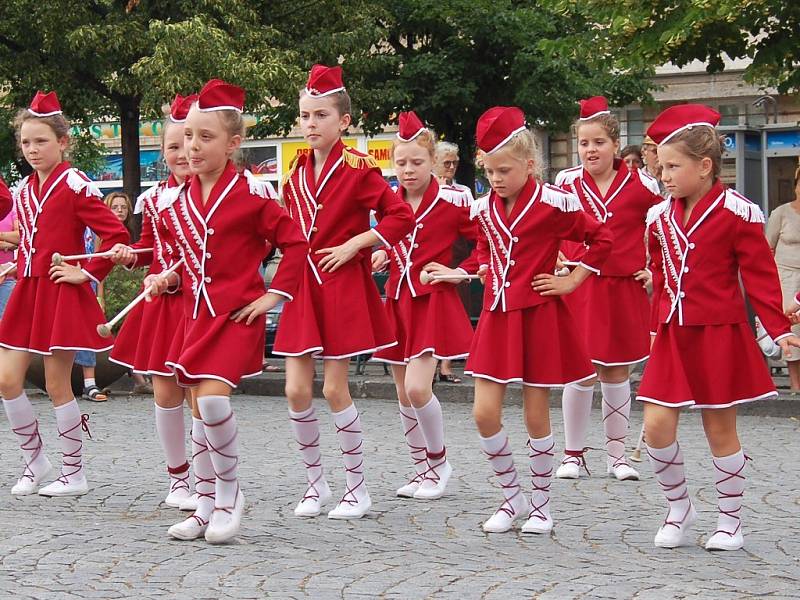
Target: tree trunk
129	130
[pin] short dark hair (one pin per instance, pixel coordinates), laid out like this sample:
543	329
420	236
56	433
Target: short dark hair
631	149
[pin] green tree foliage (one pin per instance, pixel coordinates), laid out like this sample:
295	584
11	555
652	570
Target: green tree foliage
652	33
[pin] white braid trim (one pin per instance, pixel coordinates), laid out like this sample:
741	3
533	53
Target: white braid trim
563	201
78	182
148	194
259	187
168	196
654	212
743	208
478	206
455	196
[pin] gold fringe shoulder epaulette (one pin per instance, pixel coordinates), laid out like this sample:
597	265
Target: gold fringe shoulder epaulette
357	160
290	171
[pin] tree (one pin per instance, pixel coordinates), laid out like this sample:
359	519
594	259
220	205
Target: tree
116	57
653	33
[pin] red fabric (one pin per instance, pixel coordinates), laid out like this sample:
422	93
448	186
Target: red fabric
591	107
705	365
5	199
538	345
524	244
42	316
696	267
439	225
496	125
45	103
624	209
223	243
679	117
179	109
54	220
155	233
145	338
434	323
217	94
343	317
612	314
409	126
322	80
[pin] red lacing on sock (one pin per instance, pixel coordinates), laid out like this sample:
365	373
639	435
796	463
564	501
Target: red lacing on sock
733	514
349	496
312	493
435	460
179	482
73	459
537	509
31	443
419	454
199	481
219	450
505	452
618	460
229	509
576	457
680	487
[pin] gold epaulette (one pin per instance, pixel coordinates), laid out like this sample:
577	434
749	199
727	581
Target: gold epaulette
357	160
291	170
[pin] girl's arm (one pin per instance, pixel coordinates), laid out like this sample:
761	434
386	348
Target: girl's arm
98	217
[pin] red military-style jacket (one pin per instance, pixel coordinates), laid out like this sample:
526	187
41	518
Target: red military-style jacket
54	218
525	243
337	207
222	241
623	208
155	233
696	266
442	218
6	201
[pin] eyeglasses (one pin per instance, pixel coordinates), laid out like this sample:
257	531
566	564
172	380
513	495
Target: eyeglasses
449	164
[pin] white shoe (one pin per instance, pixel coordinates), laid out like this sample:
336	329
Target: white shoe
570	467
509	511
189	529
29	482
72	486
623	472
673	534
351	510
190	504
408	490
224	523
313	500
177	497
436	478
535	524
722	540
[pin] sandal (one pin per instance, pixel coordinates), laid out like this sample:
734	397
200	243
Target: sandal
449	378
93	394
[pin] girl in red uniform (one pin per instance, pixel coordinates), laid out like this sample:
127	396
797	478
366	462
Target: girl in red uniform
702	241
338	313
52	310
429	320
144	341
220	220
525	333
612	308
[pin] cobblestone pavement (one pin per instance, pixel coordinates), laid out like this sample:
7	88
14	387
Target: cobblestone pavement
112	543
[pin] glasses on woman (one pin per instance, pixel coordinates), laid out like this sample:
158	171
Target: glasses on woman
449	164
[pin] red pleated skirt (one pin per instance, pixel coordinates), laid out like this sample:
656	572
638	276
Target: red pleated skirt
149	331
537	346
340	318
218	348
705	366
435	322
42	316
613	317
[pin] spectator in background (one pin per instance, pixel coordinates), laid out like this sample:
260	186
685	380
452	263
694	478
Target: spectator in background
9	240
444	168
651	167
632	155
783	234
86	358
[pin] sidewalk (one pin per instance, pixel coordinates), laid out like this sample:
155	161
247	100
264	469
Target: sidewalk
373	383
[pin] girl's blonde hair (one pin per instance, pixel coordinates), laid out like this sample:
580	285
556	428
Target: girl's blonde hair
426	139
699	143
608	122
523	147
58	123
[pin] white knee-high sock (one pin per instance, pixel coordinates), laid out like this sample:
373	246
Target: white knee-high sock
501	458
204	477
730	482
616	418
540	453
70	431
432	424
222	439
26	427
351	442
414	439
306	431
576	406
172	435
668	467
